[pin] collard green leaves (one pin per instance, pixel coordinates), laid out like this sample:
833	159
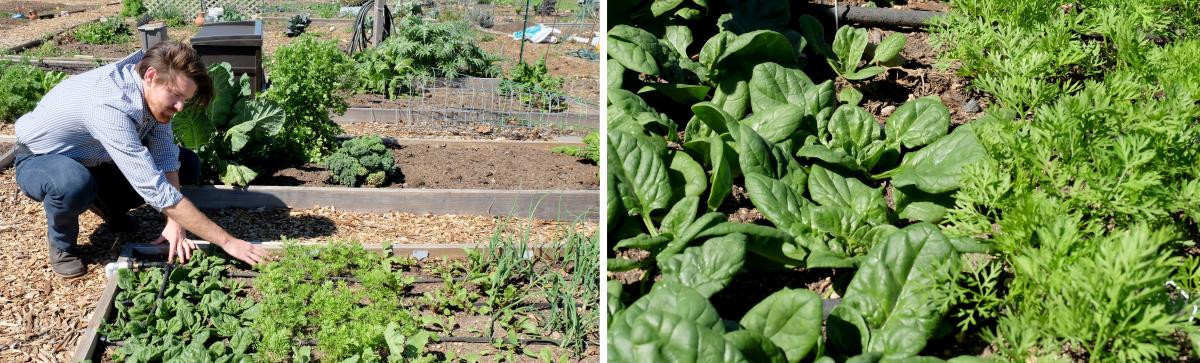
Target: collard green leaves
232	121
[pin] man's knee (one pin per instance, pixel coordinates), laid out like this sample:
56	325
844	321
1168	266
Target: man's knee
59	178
189	167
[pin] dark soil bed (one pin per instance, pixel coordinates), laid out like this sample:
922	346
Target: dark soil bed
462	165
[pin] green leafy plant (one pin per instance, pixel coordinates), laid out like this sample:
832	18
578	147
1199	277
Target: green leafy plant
534	87
419	52
363	159
231	14
22	86
199	316
849	46
47	50
107	31
168	13
307	78
590	150
306	306
907	274
234	121
700	129
296	25
132	8
324	10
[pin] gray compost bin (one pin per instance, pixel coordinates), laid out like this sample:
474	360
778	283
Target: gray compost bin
236	42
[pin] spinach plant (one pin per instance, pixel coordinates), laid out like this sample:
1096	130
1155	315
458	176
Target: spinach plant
849	46
201	317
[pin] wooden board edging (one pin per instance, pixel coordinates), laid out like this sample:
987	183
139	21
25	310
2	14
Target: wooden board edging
365	114
8	156
543	204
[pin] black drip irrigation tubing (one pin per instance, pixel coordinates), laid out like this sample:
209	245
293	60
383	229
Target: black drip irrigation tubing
883	17
474	340
252	274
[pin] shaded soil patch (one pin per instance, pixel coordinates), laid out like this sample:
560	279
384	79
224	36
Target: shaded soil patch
462	165
917	77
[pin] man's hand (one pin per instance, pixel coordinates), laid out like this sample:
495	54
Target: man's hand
176	237
247	252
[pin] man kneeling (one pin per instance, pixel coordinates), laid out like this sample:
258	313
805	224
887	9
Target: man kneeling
102	141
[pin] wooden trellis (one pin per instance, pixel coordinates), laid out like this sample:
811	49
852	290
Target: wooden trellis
189	8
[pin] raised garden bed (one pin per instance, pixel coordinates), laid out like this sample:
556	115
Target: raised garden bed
437	164
8	151
507	300
546	204
444	177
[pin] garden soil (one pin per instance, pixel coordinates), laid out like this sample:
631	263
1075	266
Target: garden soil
31	30
465	165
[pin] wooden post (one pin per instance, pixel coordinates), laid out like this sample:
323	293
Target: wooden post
377	32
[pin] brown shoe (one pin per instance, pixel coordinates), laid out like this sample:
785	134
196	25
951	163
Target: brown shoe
67	265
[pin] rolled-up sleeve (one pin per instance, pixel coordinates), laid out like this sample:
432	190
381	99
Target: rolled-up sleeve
161	142
115	131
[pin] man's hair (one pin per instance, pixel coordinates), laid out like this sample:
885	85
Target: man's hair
171	58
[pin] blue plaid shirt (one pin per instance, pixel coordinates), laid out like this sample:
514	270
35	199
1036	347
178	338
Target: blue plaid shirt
101	117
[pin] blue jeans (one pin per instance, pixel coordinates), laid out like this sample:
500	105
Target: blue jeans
66	189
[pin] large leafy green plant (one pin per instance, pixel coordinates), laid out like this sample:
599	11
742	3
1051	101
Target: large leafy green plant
893	304
107	31
22	86
534	86
308	76
233	121
693	122
419	52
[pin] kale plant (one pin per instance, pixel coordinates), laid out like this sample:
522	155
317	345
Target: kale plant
363	159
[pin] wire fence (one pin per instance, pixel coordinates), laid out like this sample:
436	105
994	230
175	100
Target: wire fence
471	102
